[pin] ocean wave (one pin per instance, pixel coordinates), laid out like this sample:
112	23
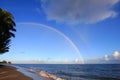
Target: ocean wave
79	76
45	75
74	72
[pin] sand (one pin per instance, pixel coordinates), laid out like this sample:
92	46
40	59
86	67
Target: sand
11	73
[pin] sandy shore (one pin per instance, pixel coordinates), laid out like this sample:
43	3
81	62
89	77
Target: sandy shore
10	73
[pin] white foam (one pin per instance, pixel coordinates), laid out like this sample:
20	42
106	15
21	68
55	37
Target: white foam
42	75
47	76
28	72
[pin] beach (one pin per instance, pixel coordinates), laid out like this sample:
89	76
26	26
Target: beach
60	72
11	73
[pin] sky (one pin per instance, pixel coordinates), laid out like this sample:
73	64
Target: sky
64	31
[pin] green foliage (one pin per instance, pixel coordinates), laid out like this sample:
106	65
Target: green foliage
7	27
5	62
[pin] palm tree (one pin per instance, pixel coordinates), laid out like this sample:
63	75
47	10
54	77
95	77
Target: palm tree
7	27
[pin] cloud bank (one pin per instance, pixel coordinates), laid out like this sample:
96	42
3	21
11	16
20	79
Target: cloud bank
79	11
107	59
115	58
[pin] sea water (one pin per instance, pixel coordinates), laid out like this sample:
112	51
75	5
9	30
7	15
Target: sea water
77	71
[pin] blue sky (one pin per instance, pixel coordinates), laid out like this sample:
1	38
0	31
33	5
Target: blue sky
64	31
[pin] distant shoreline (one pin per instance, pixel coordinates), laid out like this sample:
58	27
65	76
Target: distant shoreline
10	73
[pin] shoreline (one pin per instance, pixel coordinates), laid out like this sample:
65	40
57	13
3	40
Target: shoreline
8	72
11	72
28	72
38	75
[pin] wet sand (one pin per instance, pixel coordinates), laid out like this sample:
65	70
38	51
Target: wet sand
11	73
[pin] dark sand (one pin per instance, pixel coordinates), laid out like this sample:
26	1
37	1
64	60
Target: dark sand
10	73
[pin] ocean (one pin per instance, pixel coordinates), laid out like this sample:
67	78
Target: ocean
78	71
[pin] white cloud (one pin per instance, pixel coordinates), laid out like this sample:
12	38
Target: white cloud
106	57
115	58
76	60
79	11
47	61
116	54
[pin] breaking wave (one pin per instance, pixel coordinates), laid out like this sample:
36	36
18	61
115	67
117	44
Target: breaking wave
45	75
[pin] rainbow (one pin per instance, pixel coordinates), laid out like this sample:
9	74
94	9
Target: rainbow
60	33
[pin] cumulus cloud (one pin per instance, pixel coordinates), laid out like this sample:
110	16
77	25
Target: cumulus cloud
116	54
114	58
106	59
79	11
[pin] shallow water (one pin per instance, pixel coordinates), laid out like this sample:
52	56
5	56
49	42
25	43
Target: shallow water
78	71
27	72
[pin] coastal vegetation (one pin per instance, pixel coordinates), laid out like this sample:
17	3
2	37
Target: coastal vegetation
7	29
5	62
